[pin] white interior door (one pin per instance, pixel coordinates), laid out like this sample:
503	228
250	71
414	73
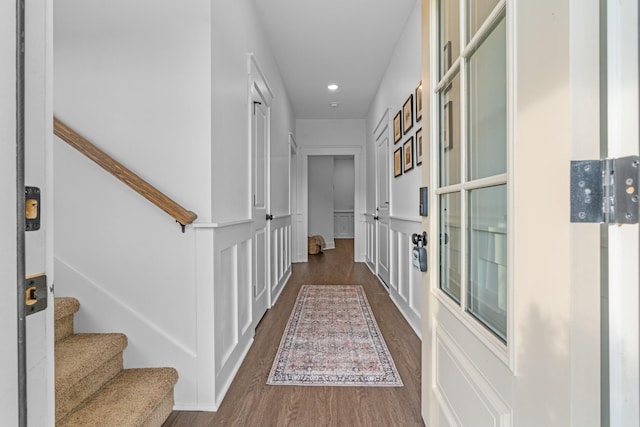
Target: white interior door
260	206
382	206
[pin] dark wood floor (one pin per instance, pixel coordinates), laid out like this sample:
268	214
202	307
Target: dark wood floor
250	402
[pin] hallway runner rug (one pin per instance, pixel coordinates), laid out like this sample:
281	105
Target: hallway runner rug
332	339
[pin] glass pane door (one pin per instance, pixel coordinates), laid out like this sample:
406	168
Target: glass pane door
472	160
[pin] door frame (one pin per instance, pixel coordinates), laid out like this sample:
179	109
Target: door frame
303	192
623	241
293	195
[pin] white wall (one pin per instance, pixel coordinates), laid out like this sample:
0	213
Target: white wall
235	32
321	198
399	81
8	274
343	184
127	83
163	89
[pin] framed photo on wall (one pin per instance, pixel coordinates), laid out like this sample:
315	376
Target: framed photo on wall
419	147
397	129
407	114
408	155
419	102
397	162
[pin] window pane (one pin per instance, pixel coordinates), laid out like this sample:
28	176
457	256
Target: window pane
479	11
450	239
449	145
449	40
488	106
487	234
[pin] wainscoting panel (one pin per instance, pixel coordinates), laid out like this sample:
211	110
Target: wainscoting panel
225	304
232	296
343	224
370	244
280	254
405	288
465	396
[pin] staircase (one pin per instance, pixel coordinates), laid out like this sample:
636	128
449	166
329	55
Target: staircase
92	388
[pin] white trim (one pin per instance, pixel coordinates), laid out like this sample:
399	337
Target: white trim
382	123
485	29
222	224
254	70
405	219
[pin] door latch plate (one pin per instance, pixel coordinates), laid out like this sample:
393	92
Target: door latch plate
36	294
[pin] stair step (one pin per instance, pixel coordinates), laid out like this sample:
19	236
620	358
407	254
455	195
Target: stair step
83	364
65	306
135	397
64	309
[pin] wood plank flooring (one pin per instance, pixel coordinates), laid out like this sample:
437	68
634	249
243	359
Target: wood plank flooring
250	402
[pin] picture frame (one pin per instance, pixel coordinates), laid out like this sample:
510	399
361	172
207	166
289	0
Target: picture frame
446	57
447	126
408	155
397	127
419	147
407	114
397	162
418	95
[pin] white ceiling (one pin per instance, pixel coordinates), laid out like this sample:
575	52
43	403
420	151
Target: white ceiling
347	42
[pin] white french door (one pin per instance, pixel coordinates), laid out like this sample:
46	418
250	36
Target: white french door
260	205
382	205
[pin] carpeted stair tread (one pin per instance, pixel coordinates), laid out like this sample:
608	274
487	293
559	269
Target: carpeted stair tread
128	400
80	354
65	306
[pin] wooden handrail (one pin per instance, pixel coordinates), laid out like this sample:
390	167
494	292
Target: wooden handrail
108	163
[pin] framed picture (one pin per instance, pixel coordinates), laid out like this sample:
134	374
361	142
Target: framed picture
397	130
397	162
407	115
447	127
419	102
408	155
446	57
419	147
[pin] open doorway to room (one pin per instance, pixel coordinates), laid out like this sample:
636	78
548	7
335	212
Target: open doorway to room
331	198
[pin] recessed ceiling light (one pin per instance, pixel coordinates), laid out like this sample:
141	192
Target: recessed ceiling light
332	87
334	104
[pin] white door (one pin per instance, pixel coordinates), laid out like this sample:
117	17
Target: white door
513	321
260	206
382	205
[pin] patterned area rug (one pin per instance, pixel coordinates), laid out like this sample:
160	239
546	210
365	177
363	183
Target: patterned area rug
332	339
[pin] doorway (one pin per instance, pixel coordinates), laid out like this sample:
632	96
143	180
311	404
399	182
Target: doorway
331	198
309	165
